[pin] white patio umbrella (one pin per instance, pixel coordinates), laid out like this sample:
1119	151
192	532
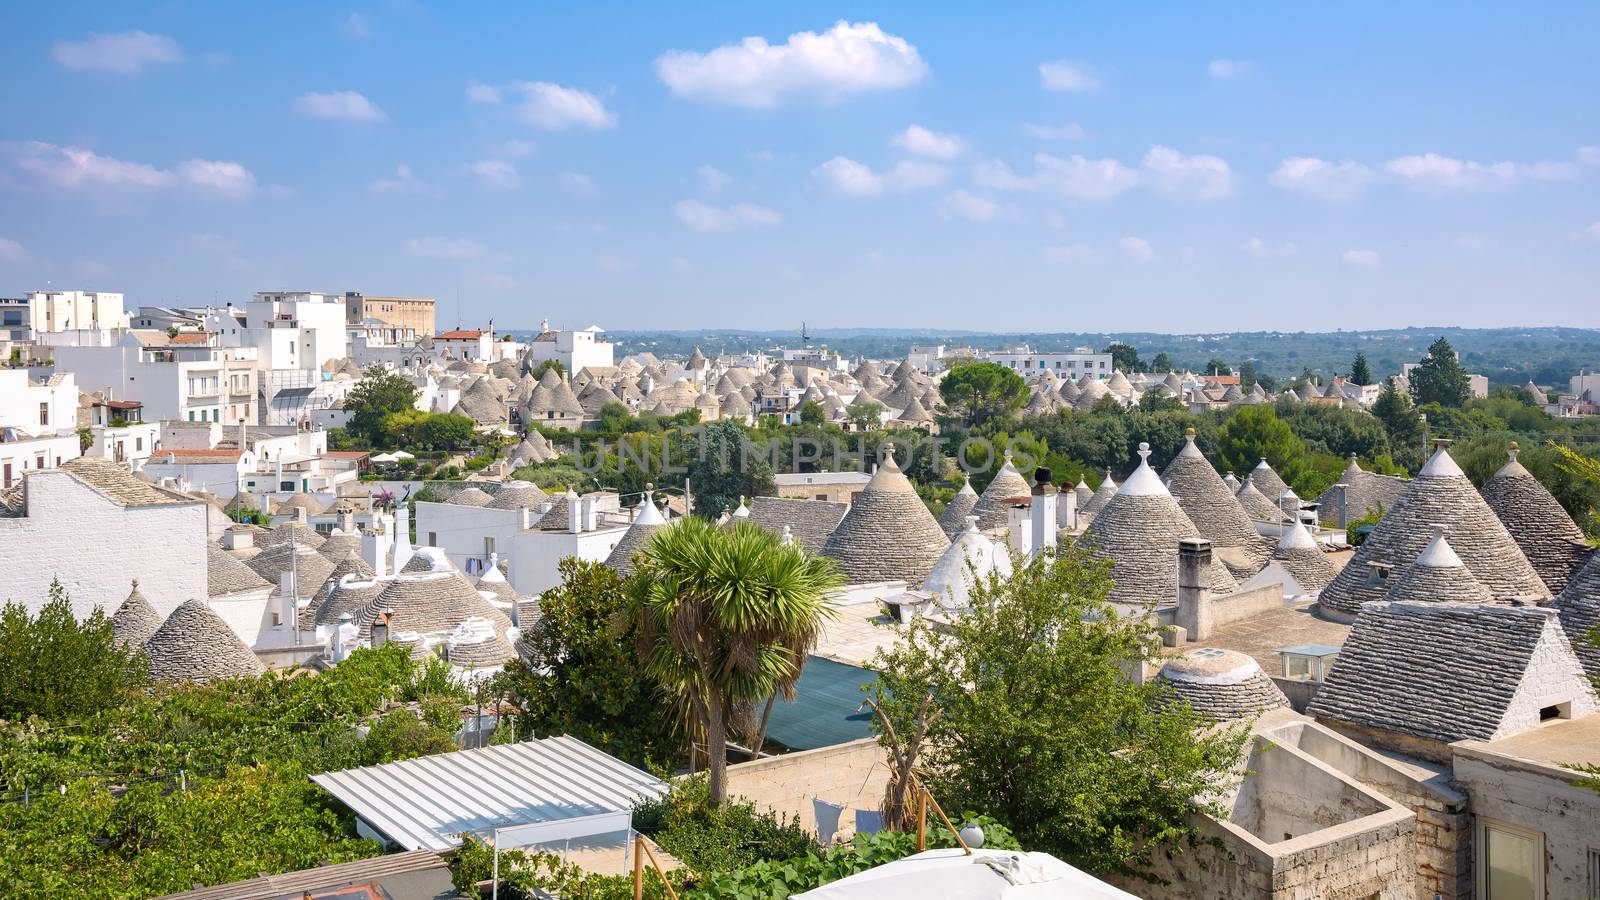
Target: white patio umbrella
401	454
985	875
385	458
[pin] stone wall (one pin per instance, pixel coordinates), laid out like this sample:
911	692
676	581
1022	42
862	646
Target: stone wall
1243	604
96	547
1538	797
853	775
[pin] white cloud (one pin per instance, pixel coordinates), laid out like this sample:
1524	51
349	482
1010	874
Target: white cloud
846	59
444	248
1136	249
923	142
1444	173
1075	176
495	173
608	262
576	183
546	106
969	206
357	27
1262	250
847	176
11	251
1202	177
77	168
712	180
227	178
1069	253
1229	68
1070	131
1362	259
703	217
1593	231
403	182
1321	178
513	149
681	265
1068	75
347	106
126	53
1589	156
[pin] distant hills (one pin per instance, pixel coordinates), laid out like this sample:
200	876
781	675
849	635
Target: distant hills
1547	356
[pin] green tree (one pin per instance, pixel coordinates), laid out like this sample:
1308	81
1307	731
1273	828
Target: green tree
59	669
1247	375
446	431
1124	357
725	618
727	466
864	416
983	392
1030	716
1162	363
373	398
403	427
578	674
615	418
1400	419
1360	372
1255	433
812	413
1439	378
546	366
1215	366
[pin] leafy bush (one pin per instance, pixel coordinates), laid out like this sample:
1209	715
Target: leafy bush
59	669
708	839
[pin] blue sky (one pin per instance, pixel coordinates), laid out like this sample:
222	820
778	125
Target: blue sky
1031	166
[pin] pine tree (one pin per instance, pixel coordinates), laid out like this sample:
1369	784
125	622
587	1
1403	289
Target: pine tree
1439	378
1399	417
1359	371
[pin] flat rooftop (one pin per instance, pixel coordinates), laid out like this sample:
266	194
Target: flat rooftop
1260	635
1565	742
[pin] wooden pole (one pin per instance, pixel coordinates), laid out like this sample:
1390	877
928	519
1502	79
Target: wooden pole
638	867
922	820
944	818
659	871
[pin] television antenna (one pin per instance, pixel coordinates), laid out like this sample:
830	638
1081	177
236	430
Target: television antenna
805	336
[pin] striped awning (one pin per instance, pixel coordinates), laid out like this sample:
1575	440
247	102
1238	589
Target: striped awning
431	801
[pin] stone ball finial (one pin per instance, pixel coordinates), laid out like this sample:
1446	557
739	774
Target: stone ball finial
1512	449
1144	452
1189	432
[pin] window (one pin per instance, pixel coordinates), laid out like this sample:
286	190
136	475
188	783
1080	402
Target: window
433	539
1594	874
488	547
1510	862
44	413
1556	711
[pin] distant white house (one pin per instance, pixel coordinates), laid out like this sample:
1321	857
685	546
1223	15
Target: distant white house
575	350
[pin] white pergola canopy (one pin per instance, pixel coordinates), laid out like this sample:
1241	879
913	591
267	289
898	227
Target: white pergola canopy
985	875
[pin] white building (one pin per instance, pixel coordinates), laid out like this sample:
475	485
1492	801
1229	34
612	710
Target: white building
1031	364
219	471
130	443
94	526
44	407
575	350
192	382
472	344
532	542
50	311
289	329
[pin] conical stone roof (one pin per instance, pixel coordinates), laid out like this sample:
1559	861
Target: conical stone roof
1440	495
954	518
643	527
340	543
1365	493
1138	532
1300	556
1579	603
888	534
1082	493
349	595
1223	685
1256	506
309	566
494	582
194	644
969	560
1206	500
1102	495
470	496
1267	481
1438	576
301	534
428	603
1549	538
992	508
135	620
225	574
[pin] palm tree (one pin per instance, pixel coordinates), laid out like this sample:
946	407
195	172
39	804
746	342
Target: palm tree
724	618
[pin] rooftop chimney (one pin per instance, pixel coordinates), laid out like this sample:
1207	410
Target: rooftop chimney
1194	601
1044	511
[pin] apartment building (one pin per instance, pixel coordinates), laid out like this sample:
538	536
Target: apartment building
415	313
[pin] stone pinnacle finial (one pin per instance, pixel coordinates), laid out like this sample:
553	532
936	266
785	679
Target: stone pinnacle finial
1189	433
1144	452
1513	449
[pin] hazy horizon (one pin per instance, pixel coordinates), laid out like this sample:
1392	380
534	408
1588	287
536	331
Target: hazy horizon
1022	169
